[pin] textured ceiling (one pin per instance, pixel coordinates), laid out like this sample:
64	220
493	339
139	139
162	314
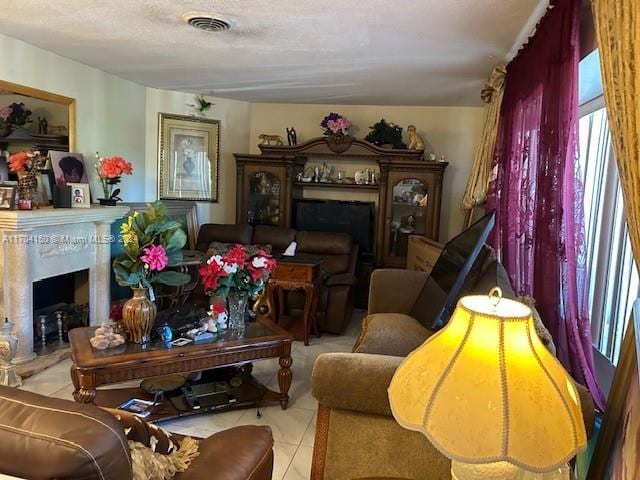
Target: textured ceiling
385	52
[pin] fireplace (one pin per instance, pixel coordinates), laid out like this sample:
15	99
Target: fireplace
46	243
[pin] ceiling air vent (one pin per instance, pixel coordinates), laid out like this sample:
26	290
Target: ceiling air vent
206	21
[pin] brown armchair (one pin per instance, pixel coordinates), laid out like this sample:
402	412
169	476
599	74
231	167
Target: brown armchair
356	434
45	438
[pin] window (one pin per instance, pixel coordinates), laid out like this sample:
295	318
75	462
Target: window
614	282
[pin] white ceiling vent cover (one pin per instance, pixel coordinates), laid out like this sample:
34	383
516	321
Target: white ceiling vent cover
207	21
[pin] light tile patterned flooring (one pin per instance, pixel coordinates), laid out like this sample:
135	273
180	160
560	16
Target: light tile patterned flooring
293	429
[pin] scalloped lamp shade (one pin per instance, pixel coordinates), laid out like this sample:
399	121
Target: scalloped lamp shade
484	389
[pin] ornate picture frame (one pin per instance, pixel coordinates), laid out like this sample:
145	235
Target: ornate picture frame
617	452
188	156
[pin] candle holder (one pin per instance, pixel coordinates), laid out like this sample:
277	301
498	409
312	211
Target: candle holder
43	349
60	343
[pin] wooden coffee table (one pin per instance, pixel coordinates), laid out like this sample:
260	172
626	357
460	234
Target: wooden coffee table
92	368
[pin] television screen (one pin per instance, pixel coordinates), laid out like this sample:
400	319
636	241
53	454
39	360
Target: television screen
437	300
354	218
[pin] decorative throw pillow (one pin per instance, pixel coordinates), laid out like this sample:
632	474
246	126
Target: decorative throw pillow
155	453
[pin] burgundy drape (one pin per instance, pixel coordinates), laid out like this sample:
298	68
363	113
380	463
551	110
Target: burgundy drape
535	189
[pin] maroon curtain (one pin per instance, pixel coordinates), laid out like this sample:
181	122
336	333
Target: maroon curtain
535	189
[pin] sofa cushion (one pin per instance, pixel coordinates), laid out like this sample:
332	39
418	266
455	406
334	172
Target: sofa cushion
334	264
42	438
390	334
279	238
225	233
324	242
240	453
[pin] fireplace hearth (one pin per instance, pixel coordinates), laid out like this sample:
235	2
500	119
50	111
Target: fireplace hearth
46	243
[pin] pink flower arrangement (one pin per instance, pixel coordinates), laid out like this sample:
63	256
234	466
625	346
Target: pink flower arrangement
5	112
155	257
335	124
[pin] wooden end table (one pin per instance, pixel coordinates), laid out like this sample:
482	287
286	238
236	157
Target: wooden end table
92	368
300	272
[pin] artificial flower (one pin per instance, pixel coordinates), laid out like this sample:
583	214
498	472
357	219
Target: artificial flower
230	268
5	112
218	308
236	255
19	162
155	256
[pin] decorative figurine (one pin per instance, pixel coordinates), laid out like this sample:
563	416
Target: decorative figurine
104	338
8	348
200	105
167	333
292	136
270	139
432	157
415	140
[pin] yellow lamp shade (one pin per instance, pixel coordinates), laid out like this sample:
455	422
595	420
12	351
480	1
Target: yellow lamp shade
485	389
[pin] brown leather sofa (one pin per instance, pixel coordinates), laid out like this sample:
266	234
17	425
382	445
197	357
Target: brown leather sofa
337	250
46	438
356	434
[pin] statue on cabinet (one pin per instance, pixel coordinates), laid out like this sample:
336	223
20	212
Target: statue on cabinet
270	139
415	141
292	136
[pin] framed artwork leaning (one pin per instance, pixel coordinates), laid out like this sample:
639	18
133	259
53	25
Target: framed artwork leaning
617	452
68	167
188	155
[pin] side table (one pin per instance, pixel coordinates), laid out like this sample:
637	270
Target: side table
300	272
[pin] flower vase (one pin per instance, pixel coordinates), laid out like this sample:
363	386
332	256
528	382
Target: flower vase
107	188
8	349
138	316
237	305
27	187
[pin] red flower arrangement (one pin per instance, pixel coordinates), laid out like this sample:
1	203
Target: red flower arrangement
238	271
110	169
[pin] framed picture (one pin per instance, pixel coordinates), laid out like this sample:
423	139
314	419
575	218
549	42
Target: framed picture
7	197
80	197
68	167
617	452
188	154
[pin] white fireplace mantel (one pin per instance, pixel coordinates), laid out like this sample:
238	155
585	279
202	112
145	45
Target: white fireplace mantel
48	242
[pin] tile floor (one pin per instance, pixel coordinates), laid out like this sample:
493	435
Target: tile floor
293	429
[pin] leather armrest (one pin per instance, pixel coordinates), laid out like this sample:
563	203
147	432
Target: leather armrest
341	279
354	381
395	290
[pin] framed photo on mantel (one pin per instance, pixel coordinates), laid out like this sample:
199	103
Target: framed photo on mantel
188	154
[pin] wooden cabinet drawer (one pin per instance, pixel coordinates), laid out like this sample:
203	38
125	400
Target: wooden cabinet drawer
293	273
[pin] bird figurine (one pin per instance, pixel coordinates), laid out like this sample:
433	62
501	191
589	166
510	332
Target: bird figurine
201	104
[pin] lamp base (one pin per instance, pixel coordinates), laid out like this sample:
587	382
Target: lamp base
502	471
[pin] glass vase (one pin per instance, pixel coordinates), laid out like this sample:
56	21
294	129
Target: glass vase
237	306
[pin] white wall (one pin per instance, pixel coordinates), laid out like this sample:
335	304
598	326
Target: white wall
452	131
115	116
234	138
110	111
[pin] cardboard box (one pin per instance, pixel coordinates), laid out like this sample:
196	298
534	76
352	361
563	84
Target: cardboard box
422	253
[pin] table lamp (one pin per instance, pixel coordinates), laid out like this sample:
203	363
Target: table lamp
488	394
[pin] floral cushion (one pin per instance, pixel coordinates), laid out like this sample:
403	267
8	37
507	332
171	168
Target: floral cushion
220	248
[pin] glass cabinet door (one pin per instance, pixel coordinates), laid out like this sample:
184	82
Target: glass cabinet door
408	214
264	199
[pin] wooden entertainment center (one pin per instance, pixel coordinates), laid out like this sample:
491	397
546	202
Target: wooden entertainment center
409	189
